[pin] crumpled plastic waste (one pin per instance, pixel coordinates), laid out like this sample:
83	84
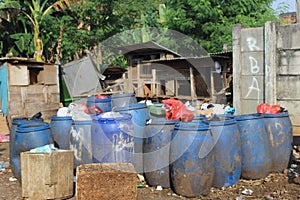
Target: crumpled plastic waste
176	110
269	109
4	138
79	111
49	148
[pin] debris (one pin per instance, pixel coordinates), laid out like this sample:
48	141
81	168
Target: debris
4	165
4	138
12	179
159	188
44	149
268	196
141	185
247	192
141	178
239	198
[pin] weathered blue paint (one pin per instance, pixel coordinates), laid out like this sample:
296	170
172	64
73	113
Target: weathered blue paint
112	139
227	151
156	151
191	176
140	116
256	160
279	129
29	136
80	141
60	130
104	104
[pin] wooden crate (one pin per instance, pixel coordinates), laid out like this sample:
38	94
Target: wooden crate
47	175
106	181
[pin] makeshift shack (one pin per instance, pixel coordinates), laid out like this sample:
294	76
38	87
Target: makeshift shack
28	87
158	72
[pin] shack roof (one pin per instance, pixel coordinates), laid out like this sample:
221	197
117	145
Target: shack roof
145	48
21	60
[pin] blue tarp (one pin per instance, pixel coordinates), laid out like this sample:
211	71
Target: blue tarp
3	88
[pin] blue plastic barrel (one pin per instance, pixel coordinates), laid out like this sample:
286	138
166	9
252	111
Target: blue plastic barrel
156	149
80	141
60	130
118	100
279	129
29	136
192	159
227	151
256	160
15	122
140	115
112	138
104	104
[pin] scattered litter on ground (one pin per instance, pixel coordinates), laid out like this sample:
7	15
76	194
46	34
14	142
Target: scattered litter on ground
4	138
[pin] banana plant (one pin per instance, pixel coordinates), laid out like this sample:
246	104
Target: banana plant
39	9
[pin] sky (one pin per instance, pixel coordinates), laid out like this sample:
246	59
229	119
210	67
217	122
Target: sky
290	3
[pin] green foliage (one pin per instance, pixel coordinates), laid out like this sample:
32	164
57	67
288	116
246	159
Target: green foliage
211	22
90	22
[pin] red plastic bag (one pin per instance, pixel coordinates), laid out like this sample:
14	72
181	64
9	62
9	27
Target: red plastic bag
176	110
270	109
262	108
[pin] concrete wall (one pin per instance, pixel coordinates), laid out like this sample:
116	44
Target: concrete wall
266	68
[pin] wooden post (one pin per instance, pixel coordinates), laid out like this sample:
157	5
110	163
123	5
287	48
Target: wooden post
140	91
154	90
271	62
237	63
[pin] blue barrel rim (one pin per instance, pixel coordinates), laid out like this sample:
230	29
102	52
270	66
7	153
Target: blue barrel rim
82	122
161	121
281	114
94	100
133	106
25	128
253	116
60	118
125	116
221	122
18	120
122	95
191	126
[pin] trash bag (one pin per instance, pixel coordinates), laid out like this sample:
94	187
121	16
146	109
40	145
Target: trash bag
270	109
176	110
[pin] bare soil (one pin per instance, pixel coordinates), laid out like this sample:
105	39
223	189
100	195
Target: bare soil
275	186
281	186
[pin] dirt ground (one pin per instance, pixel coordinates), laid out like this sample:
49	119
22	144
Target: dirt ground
281	186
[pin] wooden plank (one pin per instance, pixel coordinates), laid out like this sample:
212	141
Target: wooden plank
296	130
51	75
55	177
18	75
